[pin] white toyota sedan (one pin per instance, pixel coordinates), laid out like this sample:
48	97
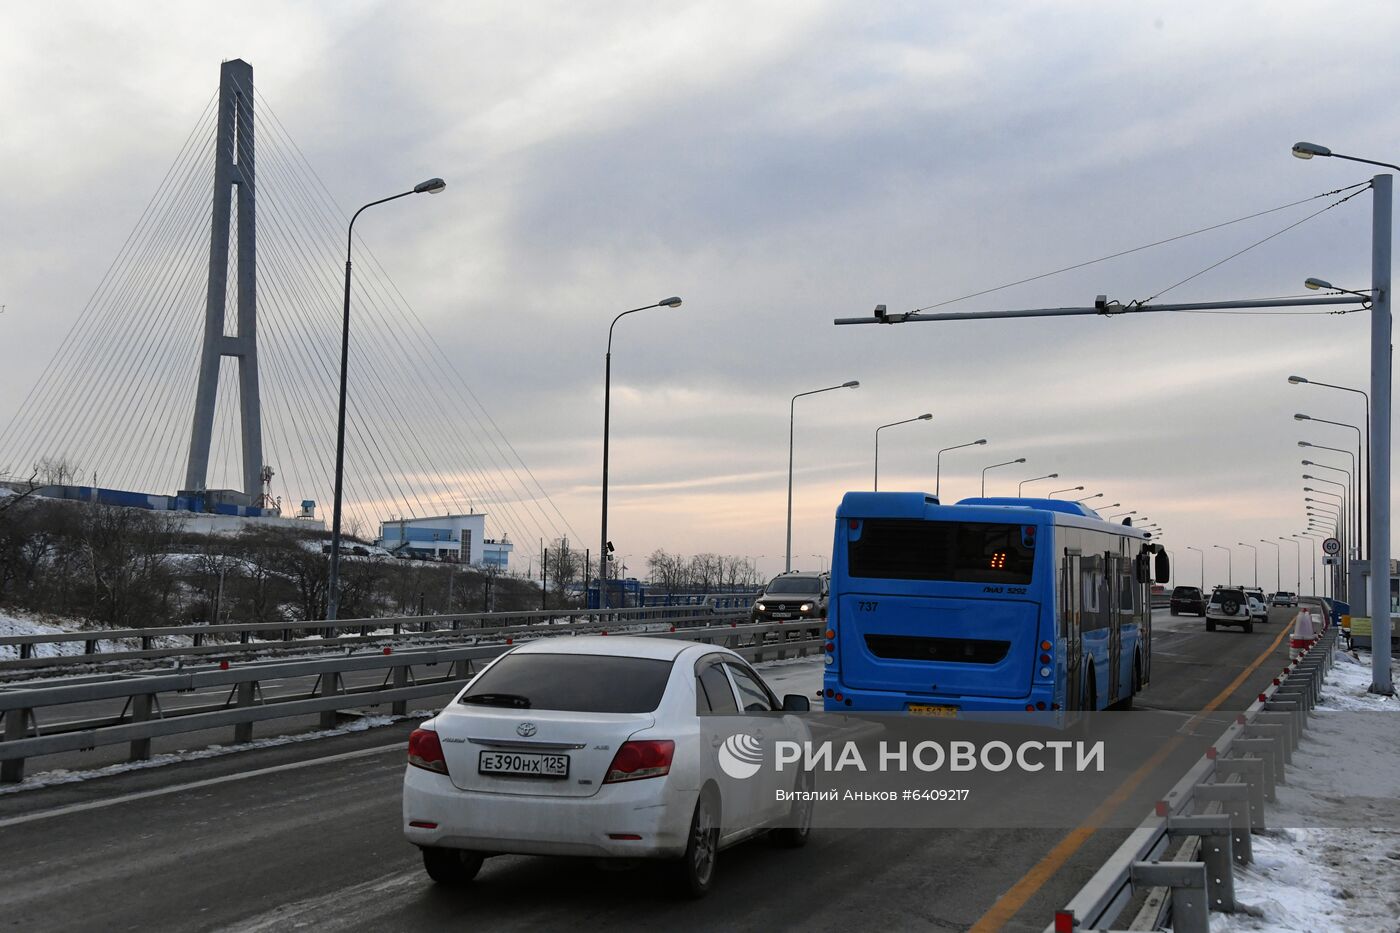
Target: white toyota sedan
605	747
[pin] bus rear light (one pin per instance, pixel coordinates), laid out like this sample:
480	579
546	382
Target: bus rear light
1054	706
830	634
1065	922
848	702
1030	707
1040	704
830	692
1046	646
830	646
1045	659
839	697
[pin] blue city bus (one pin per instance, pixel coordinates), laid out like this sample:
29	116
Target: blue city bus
987	606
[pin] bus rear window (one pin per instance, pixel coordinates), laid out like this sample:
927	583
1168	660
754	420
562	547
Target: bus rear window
963	552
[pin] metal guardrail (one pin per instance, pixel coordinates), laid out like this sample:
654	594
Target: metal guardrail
286	635
1210	813
142	718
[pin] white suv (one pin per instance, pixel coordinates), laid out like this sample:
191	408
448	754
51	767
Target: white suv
1258	603
1229	605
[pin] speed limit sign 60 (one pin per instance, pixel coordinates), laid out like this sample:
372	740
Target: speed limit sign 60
1332	546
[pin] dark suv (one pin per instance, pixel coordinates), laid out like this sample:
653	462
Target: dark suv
1188	599
795	595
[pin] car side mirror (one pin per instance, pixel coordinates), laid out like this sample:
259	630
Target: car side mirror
796	703
1164	567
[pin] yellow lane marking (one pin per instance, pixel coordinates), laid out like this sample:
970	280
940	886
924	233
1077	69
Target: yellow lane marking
1010	903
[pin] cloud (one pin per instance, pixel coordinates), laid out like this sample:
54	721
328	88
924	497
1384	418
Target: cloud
777	165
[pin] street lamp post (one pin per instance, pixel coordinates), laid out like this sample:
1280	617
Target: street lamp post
1278	563
926	416
938	461
1379	597
1364	481
1312	539
792	418
603	552
1298	558
1036	479
993	467
431	186
1121	514
1203	566
1359	461
1097	495
1229	564
1053	493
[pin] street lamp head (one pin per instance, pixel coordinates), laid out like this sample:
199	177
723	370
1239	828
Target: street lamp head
926	416
1053	476
431	186
1308	150
1020	460
1307	463
853	384
1315	285
1302	417
980	442
1304	444
672	302
1295	380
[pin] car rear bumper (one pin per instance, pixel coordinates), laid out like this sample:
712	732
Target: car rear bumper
896	702
652	809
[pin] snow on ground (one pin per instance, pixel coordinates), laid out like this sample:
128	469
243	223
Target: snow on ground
64	776
53	625
1331	859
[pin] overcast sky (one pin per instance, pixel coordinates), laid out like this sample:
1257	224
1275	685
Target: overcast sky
780	165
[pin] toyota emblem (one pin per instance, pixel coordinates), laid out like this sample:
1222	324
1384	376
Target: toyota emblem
525	729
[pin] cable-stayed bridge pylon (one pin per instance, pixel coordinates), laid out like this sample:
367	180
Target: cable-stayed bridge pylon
112	407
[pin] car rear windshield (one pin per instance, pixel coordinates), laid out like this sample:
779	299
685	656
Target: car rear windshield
1222	595
965	552
794	585
1186	592
580	683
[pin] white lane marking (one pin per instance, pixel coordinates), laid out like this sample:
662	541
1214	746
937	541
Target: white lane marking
336	909
193	785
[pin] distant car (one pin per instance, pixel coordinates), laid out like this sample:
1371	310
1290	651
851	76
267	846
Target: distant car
1284	598
788	596
1188	599
1258	603
605	747
1229	606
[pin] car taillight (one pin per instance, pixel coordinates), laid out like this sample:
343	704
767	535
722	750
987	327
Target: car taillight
641	759
425	751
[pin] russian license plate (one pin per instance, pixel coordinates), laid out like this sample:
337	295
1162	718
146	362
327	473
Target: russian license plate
524	764
927	709
782	615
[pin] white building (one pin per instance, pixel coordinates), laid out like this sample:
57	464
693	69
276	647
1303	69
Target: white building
455	538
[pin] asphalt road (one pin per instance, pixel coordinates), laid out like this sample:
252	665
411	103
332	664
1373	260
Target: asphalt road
308	836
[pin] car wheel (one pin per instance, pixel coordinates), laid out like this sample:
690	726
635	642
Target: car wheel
1249	627
1210	625
794	835
451	866
695	872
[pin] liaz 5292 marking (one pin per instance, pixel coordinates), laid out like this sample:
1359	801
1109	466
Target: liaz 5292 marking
990	606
